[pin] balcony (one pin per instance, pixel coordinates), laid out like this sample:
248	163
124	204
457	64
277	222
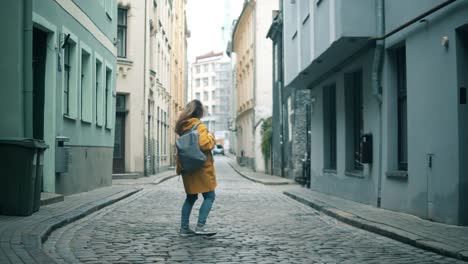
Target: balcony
329	33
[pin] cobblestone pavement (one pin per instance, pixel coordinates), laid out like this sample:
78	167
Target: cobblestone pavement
256	224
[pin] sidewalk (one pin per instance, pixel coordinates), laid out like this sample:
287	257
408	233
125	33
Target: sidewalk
21	238
260	177
153	179
444	239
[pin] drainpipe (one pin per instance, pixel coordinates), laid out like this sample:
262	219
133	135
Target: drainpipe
27	69
280	87
145	152
377	86
254	12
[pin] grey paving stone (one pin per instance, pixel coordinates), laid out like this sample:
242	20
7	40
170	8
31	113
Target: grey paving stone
256	224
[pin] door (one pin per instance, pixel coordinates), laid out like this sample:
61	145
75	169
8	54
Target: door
462	57
39	69
119	144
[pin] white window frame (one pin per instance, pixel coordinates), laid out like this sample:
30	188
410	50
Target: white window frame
109	113
86	88
99	97
73	85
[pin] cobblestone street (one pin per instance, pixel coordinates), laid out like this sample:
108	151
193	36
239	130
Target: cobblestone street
256	224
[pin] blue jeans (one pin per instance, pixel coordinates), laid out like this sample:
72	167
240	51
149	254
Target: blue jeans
205	208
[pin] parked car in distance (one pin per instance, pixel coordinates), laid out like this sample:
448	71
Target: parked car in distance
219	149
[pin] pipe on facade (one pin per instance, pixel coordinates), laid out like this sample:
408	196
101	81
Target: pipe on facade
254	14
145	151
27	69
377	86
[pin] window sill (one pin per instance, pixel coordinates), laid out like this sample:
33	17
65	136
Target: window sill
356	174
397	175
124	60
67	117
86	122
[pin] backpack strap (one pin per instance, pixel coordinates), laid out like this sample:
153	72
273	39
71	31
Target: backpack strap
195	126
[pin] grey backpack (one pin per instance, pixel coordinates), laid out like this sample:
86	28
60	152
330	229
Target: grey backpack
188	147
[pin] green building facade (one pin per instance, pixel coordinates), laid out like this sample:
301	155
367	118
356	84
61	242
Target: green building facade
58	84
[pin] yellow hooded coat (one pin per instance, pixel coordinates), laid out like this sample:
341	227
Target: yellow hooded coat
204	179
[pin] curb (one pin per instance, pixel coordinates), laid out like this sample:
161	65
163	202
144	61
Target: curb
163	179
32	240
382	229
256	180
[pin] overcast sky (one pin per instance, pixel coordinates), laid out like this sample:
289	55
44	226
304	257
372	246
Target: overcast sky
205	21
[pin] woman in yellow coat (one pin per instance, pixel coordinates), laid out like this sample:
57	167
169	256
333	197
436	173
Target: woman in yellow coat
202	180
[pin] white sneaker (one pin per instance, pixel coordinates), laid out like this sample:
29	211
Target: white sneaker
184	232
204	231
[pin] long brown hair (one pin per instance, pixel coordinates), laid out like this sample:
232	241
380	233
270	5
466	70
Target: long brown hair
194	109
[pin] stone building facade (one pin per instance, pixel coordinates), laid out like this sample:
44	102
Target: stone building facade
179	70
150	49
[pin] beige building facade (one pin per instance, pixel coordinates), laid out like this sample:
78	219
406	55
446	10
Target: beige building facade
179	72
144	91
253	79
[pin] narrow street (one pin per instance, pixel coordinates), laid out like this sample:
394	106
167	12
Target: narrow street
256	224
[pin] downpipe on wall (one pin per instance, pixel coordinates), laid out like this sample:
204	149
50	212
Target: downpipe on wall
145	142
27	69
377	86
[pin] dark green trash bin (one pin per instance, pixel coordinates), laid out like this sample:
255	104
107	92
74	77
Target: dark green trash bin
21	166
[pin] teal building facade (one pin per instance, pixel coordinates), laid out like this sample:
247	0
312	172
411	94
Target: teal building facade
59	86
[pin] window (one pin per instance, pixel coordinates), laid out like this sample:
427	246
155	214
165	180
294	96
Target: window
120	103
108	99
213	95
213	80
213	109
329	119
400	55
205	96
197	96
122	33
354	119
67	72
205	68
158	133
290	116
197	68
197	82
205	81
208	109
86	86
71	68
99	93
165	132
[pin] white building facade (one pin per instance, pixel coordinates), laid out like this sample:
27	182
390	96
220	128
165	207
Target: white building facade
144	78
204	85
253	89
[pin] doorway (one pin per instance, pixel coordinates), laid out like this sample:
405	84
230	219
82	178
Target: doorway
39	70
462	72
119	139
